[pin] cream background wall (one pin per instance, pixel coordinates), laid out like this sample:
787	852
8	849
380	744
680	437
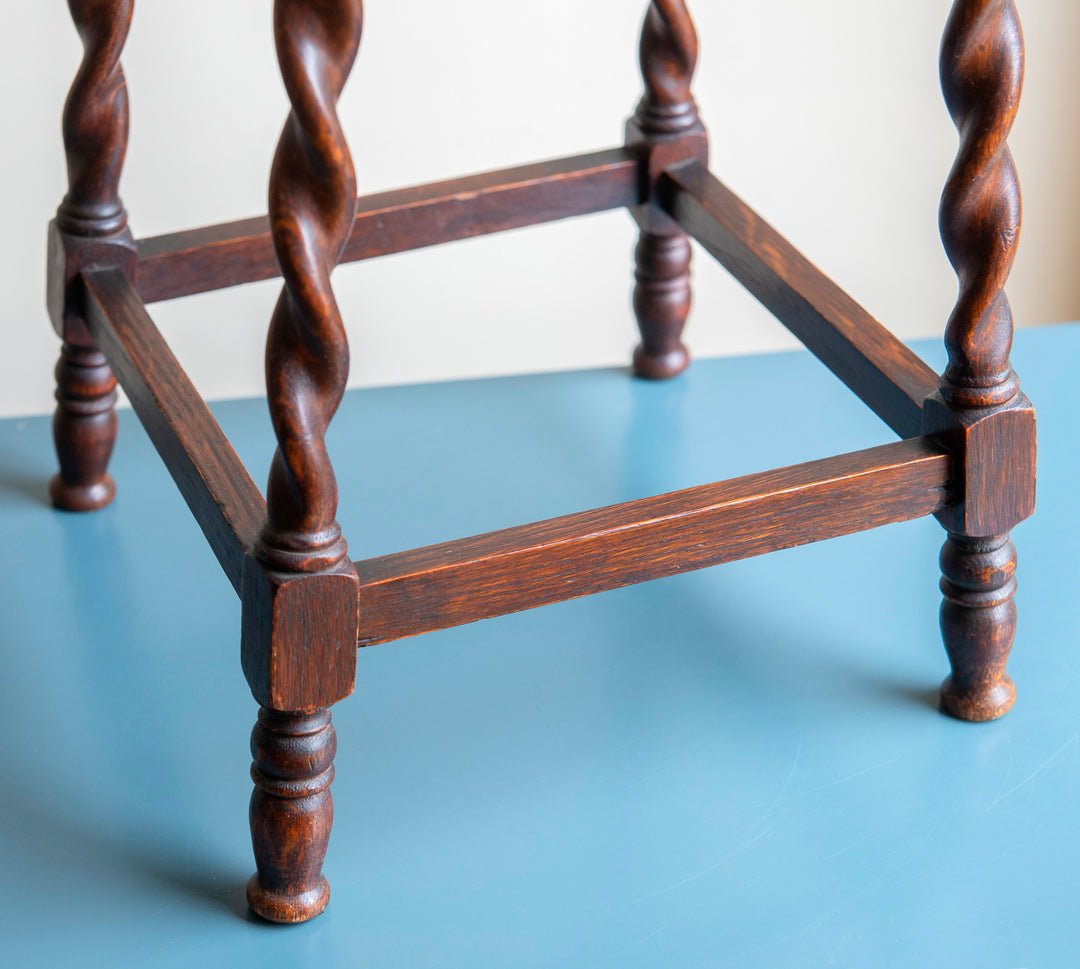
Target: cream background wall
826	117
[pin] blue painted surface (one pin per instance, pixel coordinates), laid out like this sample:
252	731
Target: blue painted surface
741	766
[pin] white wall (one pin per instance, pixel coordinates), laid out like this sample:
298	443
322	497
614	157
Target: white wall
826	117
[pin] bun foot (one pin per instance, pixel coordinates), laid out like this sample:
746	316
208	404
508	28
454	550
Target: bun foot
73	497
291	813
84	430
978	623
289	909
660	366
980	705
661	304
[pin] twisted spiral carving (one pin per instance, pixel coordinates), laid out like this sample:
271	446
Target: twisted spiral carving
95	121
312	208
669	52
982	67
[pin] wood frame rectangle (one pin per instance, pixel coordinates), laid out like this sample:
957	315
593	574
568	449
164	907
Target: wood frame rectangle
305	605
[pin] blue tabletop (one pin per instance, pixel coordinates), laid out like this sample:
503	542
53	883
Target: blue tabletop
742	766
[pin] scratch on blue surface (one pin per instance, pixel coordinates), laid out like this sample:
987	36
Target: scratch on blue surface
654	933
854	844
649	776
1073	740
851	777
164	908
747	844
878	881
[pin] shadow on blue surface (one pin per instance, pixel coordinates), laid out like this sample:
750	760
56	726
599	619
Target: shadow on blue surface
734	767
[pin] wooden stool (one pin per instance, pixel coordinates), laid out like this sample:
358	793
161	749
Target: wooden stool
966	454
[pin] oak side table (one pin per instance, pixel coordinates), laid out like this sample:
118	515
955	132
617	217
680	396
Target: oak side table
966	452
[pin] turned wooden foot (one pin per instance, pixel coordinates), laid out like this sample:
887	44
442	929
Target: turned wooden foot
661	303
84	429
978	413
978	622
291	813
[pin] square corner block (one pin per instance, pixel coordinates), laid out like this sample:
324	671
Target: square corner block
658	153
68	257
298	636
995	448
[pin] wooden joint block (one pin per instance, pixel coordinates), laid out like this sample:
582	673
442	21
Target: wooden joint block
68	257
298	635
995	451
657	153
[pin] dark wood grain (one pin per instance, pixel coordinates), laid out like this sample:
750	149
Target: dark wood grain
982	71
518	568
995	450
298	635
291	813
300	606
312	210
883	372
90	228
84	430
668	54
216	486
661	304
665	126
978	624
979	412
305	606
95	122
218	256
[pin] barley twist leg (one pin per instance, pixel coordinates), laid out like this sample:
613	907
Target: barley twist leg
666	121
90	226
979	403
